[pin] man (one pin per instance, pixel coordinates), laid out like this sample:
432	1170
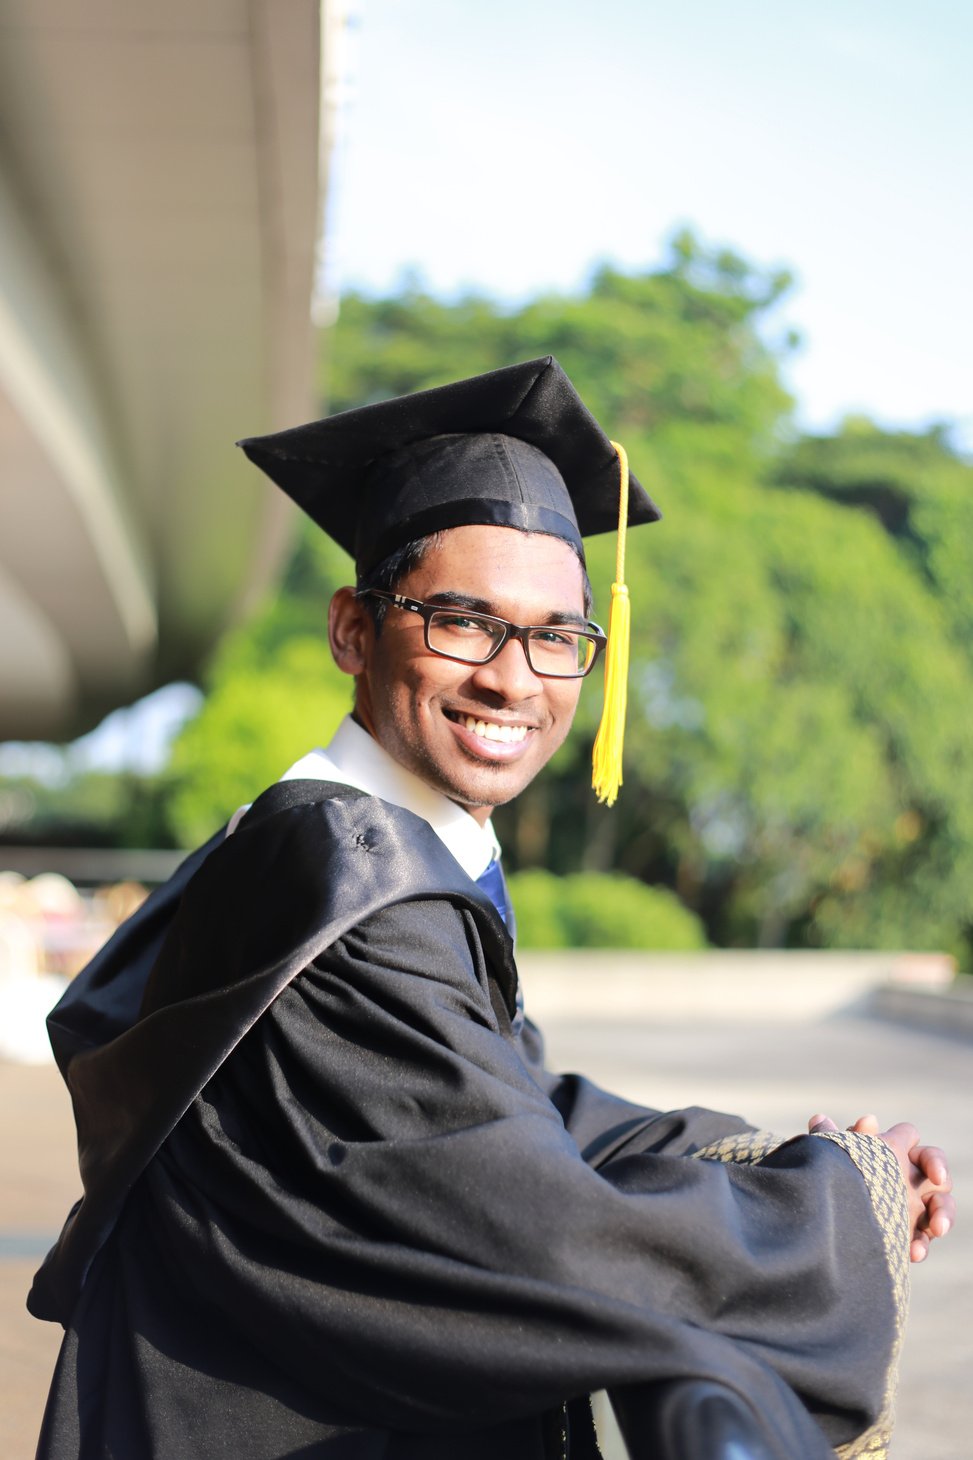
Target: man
334	1205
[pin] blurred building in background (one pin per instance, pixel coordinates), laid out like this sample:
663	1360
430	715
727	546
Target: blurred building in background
163	169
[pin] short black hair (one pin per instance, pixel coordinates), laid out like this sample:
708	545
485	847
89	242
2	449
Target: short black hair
388	574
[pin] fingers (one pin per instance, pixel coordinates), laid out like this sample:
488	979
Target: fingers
939	1215
821	1122
904	1136
939	1206
925	1170
919	1247
932	1163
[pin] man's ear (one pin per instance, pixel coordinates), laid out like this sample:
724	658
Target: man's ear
351	631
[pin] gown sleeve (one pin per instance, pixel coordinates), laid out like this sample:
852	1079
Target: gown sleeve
602	1125
375	1198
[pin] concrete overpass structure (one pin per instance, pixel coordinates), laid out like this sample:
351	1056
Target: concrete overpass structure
162	170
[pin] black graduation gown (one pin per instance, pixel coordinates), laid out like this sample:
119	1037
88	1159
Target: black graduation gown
335	1207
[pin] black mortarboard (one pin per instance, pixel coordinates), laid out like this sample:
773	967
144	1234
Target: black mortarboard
515	448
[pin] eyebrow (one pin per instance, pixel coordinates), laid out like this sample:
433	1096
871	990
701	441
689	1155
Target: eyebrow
483	605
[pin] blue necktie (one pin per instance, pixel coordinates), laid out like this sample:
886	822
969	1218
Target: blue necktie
492	881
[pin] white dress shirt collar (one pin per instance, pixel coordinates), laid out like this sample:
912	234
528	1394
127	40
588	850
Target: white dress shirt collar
353	758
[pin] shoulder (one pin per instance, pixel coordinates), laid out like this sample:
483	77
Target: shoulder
309	862
318	835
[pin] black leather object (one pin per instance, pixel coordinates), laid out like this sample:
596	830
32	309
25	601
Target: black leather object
693	1419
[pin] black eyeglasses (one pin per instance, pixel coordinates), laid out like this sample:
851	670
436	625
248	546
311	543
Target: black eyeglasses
553	651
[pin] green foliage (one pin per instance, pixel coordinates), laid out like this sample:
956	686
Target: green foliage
675	347
274	692
592	910
258	719
798	760
537	897
93	809
799	673
861	616
915	486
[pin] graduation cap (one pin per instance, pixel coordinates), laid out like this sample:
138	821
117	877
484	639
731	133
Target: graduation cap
516	447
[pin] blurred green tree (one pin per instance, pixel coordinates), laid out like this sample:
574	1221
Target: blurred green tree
273	692
798	762
600	910
85	809
916	485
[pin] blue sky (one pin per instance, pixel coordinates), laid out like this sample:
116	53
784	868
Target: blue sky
507	146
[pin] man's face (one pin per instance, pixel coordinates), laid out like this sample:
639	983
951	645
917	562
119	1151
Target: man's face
419	705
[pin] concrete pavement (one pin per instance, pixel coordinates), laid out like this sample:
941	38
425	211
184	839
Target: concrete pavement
40	1182
776	1072
779	1072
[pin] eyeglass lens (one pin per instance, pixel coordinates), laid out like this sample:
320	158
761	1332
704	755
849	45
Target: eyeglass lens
554	651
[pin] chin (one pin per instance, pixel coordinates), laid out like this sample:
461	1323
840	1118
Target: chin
473	783
489	791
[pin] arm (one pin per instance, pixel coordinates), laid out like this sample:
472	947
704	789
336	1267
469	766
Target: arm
442	1240
925	1173
603	1125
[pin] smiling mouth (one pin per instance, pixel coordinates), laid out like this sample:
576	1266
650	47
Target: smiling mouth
490	729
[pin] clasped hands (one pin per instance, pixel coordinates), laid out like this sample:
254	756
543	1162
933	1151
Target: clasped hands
932	1209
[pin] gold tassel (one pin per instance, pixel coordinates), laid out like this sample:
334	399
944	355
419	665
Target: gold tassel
610	740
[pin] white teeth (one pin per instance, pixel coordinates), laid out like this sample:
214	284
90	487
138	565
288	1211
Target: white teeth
488	730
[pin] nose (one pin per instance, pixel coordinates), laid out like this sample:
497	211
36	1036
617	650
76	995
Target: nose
508	674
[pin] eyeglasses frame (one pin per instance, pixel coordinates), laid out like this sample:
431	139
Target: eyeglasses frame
591	630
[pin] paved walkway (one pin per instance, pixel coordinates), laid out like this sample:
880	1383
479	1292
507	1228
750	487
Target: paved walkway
776	1074
40	1182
